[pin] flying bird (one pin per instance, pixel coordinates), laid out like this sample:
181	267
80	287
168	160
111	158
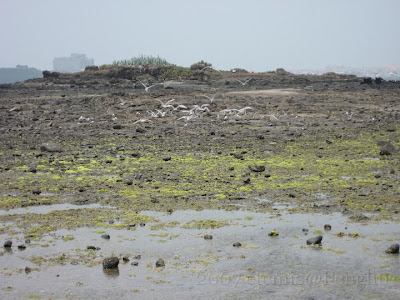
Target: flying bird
243	83
148	87
210	98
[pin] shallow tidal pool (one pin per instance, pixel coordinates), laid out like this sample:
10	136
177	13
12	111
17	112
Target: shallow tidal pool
350	264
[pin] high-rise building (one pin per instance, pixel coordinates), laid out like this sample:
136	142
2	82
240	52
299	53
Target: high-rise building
72	64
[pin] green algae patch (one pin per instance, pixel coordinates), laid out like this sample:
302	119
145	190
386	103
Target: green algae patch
386	277
205	224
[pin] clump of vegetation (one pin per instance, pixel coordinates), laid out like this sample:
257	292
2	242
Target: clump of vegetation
176	72
200	65
142	60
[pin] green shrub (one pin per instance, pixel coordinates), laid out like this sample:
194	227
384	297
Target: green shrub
142	60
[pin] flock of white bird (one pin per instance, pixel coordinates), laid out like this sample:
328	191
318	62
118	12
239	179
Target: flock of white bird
194	112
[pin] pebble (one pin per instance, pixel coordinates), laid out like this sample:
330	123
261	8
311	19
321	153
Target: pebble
160	263
237	244
208	237
315	240
106	236
7	244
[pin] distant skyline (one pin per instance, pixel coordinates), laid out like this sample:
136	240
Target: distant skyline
258	35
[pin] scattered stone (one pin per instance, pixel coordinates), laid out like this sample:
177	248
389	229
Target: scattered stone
36	191
142	224
257	168
387	149
125	259
247	181
167	158
327	227
305	230
21	247
359	218
160	263
28	270
128	181
137	256
91	248
27	241
105	236
32	170
208	237
273	233
7	244
110	263
117	126
50	147
267	175
135	263
237	244
393	249
315	240
238	156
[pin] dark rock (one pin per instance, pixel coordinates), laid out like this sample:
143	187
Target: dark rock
106	236
393	249
237	244
257	168
238	156
110	263
91	248
142	224
50	147
32	170
167	158
140	130
208	237
36	191
7	244
128	181
315	240
305	230
160	263
21	247
117	126
378	80
27	241
247	181
267	175
327	227
135	263
367	80
28	270
125	259
387	149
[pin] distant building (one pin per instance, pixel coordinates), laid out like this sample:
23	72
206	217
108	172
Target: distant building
19	73
74	63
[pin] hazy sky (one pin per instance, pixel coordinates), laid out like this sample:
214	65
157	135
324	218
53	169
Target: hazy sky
258	35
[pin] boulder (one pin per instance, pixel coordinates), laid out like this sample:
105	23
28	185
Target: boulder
110	263
393	249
